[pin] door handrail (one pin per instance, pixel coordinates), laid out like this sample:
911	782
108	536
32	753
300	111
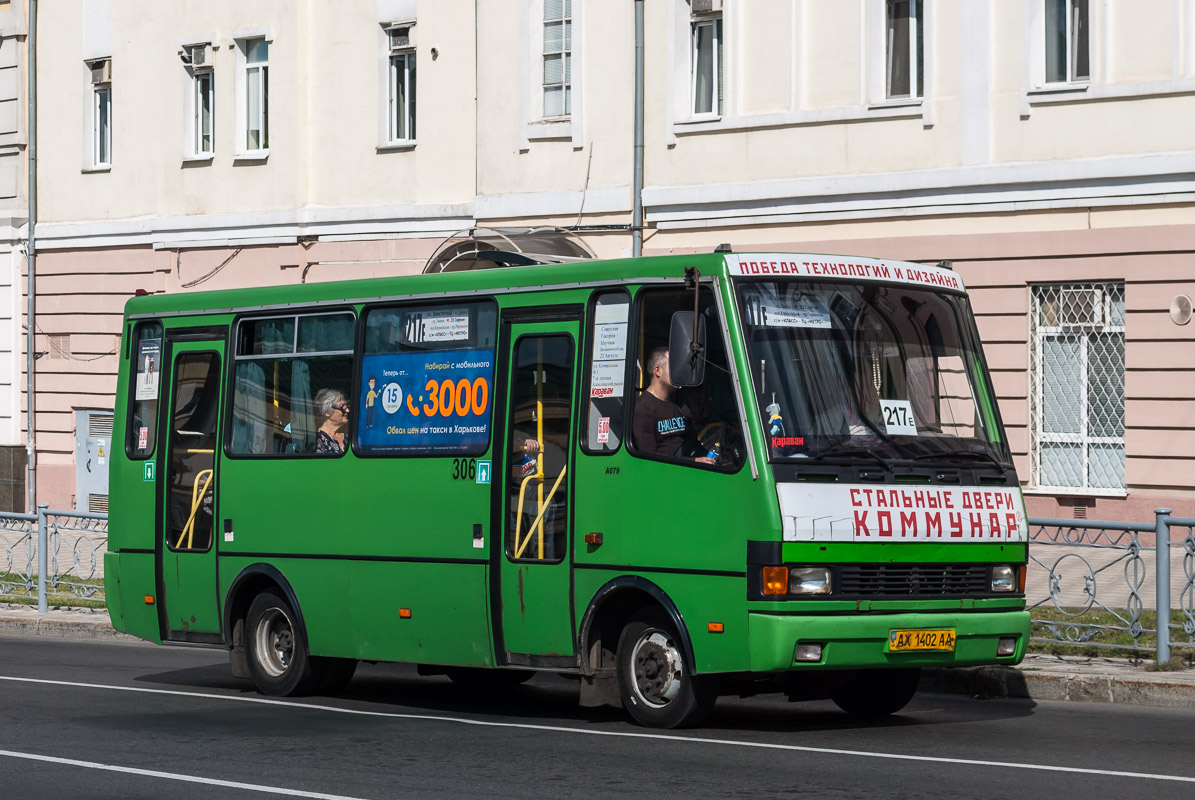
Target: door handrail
521	544
197	495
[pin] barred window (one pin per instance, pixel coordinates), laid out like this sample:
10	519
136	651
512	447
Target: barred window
1077	377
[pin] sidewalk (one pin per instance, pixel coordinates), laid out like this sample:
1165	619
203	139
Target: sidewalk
1040	677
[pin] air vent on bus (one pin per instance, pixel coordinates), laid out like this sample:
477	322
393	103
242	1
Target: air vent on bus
913	580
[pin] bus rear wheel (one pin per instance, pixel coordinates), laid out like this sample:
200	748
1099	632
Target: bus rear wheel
655	680
877	693
277	650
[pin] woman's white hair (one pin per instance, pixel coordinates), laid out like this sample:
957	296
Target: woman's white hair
325	399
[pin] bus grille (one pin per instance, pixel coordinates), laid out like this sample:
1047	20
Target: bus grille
905	580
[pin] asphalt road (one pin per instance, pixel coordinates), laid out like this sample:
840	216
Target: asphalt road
94	719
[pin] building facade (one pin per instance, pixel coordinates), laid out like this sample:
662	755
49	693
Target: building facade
1042	146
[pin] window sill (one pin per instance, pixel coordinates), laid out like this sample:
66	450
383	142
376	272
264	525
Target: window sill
1041	491
101	168
396	147
1089	92
897	103
792	119
251	157
199	159
552	128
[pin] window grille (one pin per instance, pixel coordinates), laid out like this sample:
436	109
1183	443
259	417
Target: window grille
1077	368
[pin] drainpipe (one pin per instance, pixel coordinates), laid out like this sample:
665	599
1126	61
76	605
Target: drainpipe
637	211
30	254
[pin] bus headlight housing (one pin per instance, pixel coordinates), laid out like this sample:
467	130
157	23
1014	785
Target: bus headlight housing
1004	578
809	580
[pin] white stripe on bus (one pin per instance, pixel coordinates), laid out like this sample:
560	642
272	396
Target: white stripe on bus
626	734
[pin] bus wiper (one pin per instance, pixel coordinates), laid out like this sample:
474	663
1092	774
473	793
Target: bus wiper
984	455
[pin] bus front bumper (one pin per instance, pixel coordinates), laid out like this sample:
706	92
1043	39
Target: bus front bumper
862	641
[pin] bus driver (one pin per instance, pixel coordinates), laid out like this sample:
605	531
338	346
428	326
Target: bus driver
660	425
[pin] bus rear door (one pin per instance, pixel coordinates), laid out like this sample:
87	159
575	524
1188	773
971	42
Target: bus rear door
534	587
186	550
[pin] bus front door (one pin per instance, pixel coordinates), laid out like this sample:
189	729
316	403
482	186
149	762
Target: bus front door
189	609
534	582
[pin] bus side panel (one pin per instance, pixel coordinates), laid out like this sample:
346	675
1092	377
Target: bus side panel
444	625
700	600
128	579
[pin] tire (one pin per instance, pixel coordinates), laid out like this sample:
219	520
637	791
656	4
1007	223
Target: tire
487	678
655	680
877	693
332	674
277	649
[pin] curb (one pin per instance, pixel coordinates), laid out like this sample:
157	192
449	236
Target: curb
1146	689
33	624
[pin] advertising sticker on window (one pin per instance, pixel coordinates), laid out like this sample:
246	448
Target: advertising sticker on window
149	367
426	401
609	350
805	312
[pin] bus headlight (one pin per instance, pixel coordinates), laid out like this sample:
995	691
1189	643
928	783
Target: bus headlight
1003	578
809	580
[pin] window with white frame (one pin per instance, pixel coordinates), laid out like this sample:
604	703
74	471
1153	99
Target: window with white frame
101	113
904	49
558	58
1068	41
706	57
256	83
1077	368
401	97
202	102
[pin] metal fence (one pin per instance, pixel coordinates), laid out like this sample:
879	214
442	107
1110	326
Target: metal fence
1098	583
53	554
1090	582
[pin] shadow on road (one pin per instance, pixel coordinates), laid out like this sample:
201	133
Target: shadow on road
552	699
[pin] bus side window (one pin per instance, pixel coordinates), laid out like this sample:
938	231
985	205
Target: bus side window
281	364
683	424
145	390
608	322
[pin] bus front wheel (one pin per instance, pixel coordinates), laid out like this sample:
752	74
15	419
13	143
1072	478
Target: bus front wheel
655	680
877	693
277	650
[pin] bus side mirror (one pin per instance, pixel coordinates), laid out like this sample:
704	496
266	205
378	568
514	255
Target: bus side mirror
686	356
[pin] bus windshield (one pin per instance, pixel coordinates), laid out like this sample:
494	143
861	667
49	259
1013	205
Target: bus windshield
872	370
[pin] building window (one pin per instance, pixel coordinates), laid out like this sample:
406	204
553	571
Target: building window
402	83
558	46
905	49
1077	376
257	94
1068	41
706	57
202	102
101	113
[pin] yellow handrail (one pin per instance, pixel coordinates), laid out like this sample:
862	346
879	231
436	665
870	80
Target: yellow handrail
197	495
521	544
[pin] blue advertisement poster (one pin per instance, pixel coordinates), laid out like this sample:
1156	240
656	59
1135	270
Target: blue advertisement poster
426	401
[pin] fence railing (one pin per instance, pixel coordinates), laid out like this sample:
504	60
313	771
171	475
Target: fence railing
1090	582
1096	583
53	554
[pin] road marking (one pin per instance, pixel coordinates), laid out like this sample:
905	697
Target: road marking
974	762
171	776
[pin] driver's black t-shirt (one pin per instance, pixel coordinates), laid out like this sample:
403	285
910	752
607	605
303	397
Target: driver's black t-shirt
660	426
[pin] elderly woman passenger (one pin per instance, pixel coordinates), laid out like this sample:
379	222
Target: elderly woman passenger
333	408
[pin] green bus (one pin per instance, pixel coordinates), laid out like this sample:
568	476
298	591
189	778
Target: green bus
671	477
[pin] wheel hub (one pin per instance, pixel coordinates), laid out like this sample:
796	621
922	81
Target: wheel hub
275	642
657	665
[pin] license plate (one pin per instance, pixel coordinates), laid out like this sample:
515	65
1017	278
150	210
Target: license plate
904	641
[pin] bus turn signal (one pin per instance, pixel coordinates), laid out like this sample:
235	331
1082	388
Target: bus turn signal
775	580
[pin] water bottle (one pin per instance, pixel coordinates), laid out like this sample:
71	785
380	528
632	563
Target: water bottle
715	452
